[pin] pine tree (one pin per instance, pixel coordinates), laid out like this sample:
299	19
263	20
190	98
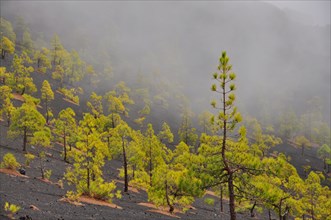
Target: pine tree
6	105
65	127
174	182
6	47
88	160
227	119
42	140
25	121
21	81
42	58
95	105
47	95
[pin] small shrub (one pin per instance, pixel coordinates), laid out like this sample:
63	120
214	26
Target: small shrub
11	209
9	162
72	196
118	194
100	190
209	201
60	184
28	158
48	174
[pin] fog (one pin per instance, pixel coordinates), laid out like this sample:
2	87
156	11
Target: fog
280	62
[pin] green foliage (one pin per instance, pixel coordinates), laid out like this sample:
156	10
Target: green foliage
209	201
175	184
165	135
28	158
72	196
88	160
6	29
288	124
186	132
302	142
70	94
6	46
27	42
25	121
12	209
9	162
101	190
42	58
48	174
47	95
42	140
21	81
324	153
95	105
58	74
65	128
6	106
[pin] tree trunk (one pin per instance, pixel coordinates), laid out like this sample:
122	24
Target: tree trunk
46	106
221	198
23	91
231	197
24	139
252	210
88	178
65	147
150	164
302	150
280	209
171	207
269	214
125	164
3	54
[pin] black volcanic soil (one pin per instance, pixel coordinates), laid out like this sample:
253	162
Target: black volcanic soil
31	191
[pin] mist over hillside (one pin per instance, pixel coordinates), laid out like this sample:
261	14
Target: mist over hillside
277	59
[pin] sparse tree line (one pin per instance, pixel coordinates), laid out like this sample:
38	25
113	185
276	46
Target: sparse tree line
235	162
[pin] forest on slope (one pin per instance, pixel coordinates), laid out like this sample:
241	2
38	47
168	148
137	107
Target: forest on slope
53	97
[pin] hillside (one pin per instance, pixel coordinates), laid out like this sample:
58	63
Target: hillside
123	129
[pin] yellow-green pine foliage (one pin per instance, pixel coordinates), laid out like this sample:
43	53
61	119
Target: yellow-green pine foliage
88	160
27	42
174	184
302	142
95	105
121	137
42	59
153	150
324	153
6	47
7	107
65	128
186	131
6	29
58	74
75	67
47	95
3	75
42	140
165	135
56	50
9	162
21	81
25	121
12	209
